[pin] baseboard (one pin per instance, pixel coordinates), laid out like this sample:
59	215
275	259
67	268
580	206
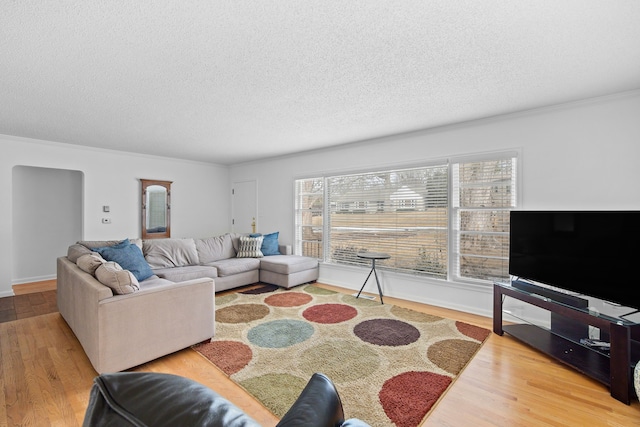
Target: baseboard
33	279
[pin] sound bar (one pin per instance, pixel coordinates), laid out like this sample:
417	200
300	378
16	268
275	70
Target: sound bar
560	297
560	325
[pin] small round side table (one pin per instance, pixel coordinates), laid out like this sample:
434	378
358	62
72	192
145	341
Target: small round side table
373	256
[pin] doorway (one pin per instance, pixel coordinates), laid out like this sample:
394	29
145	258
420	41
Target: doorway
46	219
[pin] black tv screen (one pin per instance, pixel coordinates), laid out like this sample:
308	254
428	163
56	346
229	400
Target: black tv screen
589	252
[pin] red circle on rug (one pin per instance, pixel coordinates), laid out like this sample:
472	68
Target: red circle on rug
406	398
229	356
330	313
389	332
288	299
472	331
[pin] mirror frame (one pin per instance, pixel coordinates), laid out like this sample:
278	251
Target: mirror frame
145	184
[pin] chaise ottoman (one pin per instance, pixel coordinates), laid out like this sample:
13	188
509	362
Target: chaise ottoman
288	271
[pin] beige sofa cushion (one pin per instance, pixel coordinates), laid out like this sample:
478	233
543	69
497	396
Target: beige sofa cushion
121	281
190	272
74	252
231	266
235	239
287	264
92	244
90	262
172	252
215	248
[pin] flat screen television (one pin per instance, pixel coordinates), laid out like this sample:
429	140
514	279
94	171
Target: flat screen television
594	253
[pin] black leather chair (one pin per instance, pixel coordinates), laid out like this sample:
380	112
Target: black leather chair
150	399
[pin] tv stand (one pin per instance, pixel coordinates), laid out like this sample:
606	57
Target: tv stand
613	368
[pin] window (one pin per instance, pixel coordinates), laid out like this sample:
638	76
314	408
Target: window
447	221
309	213
483	195
399	212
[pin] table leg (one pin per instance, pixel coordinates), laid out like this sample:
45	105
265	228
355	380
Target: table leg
365	282
375	273
497	310
621	376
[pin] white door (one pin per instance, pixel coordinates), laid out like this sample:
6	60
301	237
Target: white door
244	205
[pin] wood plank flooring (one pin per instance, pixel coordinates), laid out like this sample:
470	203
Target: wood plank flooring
31	299
45	380
34	287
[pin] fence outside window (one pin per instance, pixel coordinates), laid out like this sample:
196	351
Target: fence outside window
447	221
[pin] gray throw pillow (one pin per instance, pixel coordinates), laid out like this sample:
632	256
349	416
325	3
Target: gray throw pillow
89	263
120	281
76	251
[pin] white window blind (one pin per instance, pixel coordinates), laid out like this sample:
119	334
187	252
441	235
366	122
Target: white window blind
309	211
448	221
483	195
400	212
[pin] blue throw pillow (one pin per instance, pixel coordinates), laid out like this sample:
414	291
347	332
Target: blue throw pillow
129	256
270	244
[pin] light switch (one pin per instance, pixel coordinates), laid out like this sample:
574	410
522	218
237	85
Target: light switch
105	209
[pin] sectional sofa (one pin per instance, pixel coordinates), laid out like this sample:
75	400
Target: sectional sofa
131	301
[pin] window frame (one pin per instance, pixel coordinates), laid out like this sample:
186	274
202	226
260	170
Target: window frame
454	220
299	240
452	274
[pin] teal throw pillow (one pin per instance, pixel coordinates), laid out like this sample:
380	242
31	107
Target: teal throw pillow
270	244
129	257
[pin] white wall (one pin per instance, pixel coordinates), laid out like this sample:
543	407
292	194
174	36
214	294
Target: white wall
583	155
47	215
199	196
580	156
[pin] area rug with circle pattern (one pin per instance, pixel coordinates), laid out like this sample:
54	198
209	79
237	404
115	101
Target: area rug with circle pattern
390	364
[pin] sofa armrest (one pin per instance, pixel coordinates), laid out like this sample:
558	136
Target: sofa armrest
318	405
142	326
118	332
156	399
78	294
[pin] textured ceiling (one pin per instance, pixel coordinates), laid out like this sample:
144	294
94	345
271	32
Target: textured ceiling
232	81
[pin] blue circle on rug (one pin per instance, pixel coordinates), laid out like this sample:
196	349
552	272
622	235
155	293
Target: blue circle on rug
280	333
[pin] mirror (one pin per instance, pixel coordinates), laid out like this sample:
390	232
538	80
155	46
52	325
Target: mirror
156	209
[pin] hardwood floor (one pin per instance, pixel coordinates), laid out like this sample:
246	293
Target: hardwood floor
31	299
45	379
34	287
